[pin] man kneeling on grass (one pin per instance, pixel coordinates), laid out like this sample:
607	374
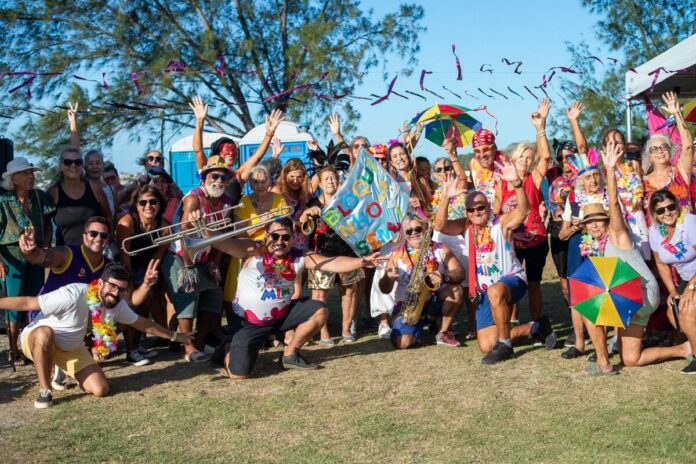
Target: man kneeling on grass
266	301
56	335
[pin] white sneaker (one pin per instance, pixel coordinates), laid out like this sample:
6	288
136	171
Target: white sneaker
353	329
145	353
59	379
384	331
135	358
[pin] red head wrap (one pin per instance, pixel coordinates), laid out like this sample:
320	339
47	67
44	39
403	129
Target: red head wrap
482	138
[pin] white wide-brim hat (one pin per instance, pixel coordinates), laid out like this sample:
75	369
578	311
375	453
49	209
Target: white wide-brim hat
18	165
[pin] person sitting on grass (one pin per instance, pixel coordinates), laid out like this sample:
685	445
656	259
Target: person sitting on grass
443	272
266	299
56	335
496	272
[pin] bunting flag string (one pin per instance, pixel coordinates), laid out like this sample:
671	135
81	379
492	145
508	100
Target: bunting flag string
459	65
510	63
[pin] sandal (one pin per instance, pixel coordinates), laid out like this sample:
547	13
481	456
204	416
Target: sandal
197	357
572	353
19	361
593	370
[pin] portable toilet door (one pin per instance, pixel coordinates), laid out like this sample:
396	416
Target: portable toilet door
294	142
183	161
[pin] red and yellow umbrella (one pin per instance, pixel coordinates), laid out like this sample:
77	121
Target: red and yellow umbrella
447	121
607	291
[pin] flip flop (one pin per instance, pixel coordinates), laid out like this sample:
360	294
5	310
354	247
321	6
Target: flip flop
197	357
593	370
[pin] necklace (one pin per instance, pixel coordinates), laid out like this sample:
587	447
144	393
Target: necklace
283	267
677	249
589	246
483	243
104	334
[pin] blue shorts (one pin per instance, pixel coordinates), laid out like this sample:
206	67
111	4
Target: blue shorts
484	315
431	308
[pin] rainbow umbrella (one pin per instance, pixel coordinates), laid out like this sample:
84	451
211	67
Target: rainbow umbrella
689	111
447	121
607	291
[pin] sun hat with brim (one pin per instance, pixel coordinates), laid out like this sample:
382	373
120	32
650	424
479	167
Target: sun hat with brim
157	172
18	165
215	162
594	212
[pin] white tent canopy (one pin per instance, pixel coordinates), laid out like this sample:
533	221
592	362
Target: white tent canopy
186	143
286	131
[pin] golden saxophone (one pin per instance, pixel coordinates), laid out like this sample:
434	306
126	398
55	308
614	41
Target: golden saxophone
419	286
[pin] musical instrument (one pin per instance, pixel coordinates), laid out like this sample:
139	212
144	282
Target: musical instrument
209	229
307	227
419	287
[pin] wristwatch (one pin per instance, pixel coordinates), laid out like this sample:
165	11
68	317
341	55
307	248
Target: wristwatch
447	278
691	286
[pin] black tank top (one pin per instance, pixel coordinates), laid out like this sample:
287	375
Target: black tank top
71	215
142	259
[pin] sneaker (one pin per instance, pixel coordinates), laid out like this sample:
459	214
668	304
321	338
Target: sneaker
135	358
613	347
353	329
500	352
327	343
691	368
570	341
447	339
44	400
384	331
545	333
296	361
348	339
145	353
514	322
59	379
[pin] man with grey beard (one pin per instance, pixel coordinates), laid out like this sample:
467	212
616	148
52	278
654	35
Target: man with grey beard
193	281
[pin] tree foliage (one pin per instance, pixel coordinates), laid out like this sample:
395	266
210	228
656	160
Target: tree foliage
633	31
268	47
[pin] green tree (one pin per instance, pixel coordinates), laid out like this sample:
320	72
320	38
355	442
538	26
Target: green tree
633	31
268	47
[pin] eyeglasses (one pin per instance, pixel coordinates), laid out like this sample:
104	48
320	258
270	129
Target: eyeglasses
112	285
223	177
151	202
359	145
155	159
659	148
670	207
95	234
483	149
70	162
284	237
478	208
447	168
415	230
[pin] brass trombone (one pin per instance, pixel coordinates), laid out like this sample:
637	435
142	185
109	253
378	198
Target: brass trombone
207	230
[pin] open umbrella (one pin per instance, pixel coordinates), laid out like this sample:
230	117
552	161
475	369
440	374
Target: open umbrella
607	291
446	121
689	111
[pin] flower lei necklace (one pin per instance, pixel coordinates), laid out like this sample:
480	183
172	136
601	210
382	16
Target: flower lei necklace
483	243
591	247
678	249
104	334
283	267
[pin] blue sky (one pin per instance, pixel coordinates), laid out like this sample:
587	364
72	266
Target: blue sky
534	32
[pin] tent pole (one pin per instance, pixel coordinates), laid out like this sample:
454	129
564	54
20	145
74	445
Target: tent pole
629	122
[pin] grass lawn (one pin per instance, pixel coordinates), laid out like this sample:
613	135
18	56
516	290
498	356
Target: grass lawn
368	404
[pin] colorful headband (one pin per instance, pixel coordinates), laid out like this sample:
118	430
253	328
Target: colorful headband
584	163
483	137
378	150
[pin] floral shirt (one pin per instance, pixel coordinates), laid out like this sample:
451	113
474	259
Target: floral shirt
13	218
677	185
456	209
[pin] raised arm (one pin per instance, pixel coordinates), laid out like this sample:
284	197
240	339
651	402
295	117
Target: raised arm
686	158
200	110
573	114
617	223
139	295
450	146
513	219
335	128
543	150
72	120
440	221
272	122
53	258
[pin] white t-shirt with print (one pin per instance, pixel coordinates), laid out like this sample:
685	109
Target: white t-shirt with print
498	263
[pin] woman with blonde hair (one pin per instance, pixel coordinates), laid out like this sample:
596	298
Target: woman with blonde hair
293	185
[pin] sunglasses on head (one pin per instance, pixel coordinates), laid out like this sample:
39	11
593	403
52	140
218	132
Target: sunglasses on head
446	168
155	159
415	230
223	177
284	237
70	162
661	211
151	202
476	208
95	234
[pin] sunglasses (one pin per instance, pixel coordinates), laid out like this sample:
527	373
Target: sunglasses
661	211
483	149
359	145
659	148
478	208
151	202
95	234
415	230
70	162
284	237
223	177
155	159
447	168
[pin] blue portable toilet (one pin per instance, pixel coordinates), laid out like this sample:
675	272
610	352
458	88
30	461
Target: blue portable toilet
291	135
183	162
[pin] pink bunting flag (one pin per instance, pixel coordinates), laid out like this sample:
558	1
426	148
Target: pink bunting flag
220	69
422	78
484	108
459	65
389	91
136	82
510	63
174	66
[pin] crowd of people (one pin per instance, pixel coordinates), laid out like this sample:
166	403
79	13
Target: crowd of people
90	259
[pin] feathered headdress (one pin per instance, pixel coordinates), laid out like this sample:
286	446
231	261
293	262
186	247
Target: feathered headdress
335	158
378	150
584	163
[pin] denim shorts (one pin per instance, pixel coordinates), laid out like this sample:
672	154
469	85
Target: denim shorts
484	315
